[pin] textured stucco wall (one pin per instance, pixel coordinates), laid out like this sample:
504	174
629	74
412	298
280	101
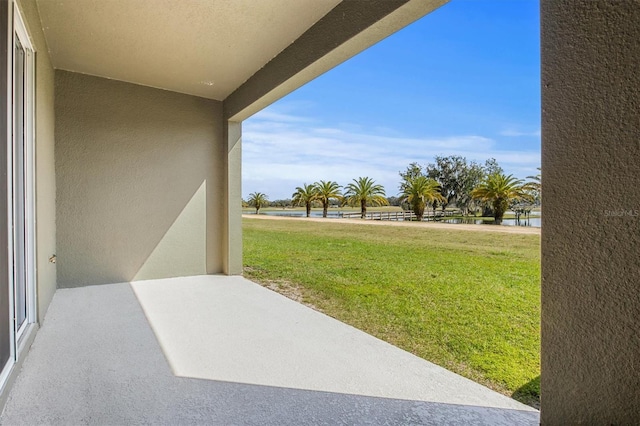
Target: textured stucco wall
44	153
140	180
591	233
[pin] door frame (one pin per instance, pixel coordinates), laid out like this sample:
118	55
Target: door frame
20	33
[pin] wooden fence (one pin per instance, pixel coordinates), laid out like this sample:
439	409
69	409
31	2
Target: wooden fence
403	215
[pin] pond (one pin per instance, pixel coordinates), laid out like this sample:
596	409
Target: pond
533	221
296	213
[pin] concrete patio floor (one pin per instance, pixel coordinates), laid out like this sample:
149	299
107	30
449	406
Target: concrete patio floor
224	350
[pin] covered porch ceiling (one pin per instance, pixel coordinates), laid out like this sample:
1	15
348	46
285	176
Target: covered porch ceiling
205	48
216	48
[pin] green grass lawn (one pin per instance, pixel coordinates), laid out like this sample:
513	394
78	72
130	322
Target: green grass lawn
468	301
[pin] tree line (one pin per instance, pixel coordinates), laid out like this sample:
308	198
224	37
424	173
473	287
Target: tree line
448	181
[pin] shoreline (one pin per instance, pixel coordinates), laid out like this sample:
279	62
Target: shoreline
442	226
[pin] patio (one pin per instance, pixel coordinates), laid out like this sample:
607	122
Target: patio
224	350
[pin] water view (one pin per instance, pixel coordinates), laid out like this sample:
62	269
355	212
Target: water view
533	221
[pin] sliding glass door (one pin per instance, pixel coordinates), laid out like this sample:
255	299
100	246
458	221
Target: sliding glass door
17	190
22	186
20	141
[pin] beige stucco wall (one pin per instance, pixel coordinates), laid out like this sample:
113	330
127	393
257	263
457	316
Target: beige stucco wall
44	156
140	181
591	232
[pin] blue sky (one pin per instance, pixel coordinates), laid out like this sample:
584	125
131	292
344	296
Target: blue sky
463	80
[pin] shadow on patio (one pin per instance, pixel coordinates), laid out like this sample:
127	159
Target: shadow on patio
228	351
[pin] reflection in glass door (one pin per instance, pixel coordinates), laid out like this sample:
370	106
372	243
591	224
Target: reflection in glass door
19	188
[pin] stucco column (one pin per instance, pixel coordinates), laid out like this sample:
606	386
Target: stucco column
232	262
591	203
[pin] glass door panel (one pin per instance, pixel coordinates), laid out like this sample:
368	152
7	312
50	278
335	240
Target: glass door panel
19	188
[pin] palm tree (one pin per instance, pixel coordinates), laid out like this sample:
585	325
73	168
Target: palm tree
362	192
327	190
535	184
304	196
419	191
257	200
499	189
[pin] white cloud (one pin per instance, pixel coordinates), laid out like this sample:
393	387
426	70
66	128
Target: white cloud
517	133
273	116
282	151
